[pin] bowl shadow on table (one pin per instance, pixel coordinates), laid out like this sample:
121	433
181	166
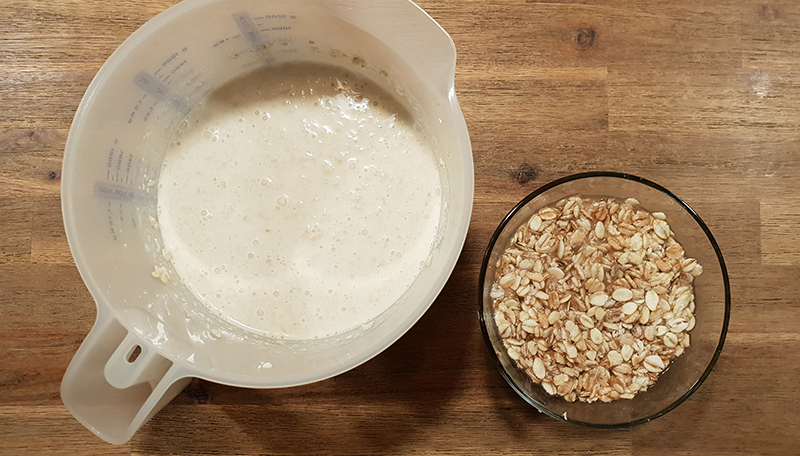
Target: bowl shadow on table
389	402
520	420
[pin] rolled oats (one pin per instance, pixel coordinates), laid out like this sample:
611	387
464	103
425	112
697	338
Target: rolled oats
594	298
654	363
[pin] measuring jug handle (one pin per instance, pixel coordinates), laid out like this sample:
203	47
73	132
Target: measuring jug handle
111	390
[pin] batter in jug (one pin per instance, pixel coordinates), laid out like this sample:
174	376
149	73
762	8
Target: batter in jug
299	200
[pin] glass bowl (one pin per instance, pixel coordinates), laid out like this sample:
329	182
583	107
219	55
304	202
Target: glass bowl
712	297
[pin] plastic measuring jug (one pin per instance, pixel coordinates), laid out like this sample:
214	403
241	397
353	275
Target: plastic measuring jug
151	338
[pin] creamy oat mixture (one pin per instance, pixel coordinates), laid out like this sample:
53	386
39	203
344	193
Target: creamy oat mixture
594	298
299	201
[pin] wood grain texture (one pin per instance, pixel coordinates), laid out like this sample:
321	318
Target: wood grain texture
702	97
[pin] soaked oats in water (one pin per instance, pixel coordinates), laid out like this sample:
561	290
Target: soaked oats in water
594	298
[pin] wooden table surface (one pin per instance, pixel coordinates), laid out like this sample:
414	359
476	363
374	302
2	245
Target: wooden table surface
701	96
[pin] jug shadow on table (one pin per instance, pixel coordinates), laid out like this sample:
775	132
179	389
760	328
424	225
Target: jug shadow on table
378	406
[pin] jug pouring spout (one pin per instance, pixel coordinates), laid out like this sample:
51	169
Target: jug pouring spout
410	32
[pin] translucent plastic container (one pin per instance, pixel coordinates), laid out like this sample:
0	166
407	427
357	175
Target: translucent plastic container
151	338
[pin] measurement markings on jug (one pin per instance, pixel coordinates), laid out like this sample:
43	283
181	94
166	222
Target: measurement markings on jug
223	41
248	28
119	165
118	169
171	59
136	108
110	162
113	192
175	69
178	67
111	223
149	112
151	85
115	165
